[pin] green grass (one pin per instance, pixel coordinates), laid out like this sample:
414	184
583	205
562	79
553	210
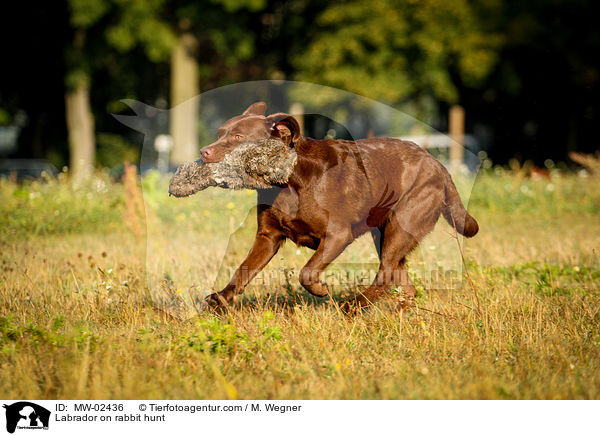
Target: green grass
89	310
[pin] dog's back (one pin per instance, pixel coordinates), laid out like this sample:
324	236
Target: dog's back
361	182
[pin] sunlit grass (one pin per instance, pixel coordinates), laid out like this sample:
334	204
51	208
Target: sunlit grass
78	319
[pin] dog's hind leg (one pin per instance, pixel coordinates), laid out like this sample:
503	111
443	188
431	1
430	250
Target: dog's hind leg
402	232
395	244
400	275
408	287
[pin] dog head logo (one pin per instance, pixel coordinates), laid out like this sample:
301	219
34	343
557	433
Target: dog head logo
26	415
256	151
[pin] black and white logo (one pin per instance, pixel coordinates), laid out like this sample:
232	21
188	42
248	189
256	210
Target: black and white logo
26	415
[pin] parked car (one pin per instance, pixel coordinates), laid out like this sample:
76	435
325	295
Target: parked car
23	169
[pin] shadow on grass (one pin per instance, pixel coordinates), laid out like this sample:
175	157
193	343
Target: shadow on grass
286	301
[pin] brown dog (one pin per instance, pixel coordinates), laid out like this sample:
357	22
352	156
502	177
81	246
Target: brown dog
339	190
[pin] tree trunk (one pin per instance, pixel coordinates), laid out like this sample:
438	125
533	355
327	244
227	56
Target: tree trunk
456	121
184	104
80	126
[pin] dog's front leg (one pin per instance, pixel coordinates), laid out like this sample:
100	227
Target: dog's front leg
330	247
264	248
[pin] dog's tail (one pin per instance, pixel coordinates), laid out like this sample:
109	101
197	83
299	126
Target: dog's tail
454	211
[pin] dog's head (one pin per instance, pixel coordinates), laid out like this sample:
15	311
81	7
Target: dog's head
260	164
252	125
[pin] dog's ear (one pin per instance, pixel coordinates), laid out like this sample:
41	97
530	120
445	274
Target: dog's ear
258	108
285	127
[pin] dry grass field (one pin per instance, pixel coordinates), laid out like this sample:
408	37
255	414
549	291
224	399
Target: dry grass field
79	317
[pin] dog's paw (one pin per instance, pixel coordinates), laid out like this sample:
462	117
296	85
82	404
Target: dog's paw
214	302
319	289
406	304
351	308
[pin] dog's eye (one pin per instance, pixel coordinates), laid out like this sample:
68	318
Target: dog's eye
238	137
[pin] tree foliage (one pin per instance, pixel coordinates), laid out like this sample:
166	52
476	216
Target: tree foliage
393	50
142	23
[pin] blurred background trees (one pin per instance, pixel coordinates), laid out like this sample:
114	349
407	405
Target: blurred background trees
397	51
527	73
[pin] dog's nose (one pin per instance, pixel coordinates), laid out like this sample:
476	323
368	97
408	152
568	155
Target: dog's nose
207	152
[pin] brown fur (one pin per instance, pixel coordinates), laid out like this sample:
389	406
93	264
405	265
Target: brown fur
338	191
